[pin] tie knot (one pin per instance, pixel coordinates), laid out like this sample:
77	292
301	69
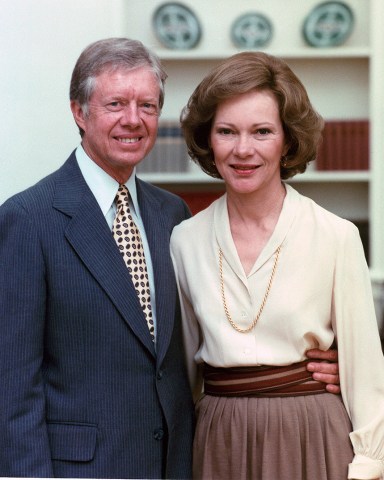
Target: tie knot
122	196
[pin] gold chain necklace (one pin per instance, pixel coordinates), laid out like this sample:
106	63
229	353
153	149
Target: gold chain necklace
236	327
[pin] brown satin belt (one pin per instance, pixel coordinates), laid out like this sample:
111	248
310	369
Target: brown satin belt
262	381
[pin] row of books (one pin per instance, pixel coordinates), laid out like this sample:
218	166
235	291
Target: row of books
345	146
169	155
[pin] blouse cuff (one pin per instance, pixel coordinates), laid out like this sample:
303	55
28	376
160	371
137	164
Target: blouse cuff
365	468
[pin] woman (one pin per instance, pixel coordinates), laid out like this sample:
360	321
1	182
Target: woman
264	275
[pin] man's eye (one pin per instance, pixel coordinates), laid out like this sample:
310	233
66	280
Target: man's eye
150	107
114	106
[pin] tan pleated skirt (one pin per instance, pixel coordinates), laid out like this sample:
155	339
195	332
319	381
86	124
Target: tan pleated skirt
292	438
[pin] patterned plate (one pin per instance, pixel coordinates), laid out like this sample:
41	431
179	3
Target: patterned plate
251	30
176	26
329	24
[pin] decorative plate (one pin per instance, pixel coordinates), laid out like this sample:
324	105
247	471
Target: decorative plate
328	24
176	26
251	30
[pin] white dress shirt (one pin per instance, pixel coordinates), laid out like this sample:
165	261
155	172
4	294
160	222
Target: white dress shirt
104	189
321	291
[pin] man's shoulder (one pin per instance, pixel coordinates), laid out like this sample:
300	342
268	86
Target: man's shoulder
161	195
155	191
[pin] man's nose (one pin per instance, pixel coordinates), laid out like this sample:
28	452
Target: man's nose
130	115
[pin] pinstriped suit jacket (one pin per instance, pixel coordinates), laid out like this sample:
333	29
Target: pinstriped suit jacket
83	393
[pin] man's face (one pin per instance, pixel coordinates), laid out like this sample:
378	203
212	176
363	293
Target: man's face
121	124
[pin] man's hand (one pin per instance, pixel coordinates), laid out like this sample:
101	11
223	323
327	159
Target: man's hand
323	371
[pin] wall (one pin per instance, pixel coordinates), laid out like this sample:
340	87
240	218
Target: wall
40	41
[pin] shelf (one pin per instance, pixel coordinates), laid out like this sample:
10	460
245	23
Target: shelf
178	178
308	177
298	53
333	176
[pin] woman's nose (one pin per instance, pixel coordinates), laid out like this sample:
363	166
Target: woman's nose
244	146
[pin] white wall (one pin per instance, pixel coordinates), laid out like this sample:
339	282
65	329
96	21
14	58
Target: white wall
40	41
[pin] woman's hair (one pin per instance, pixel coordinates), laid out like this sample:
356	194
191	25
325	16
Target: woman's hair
243	73
109	55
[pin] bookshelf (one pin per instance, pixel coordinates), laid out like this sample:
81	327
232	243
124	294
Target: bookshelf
345	84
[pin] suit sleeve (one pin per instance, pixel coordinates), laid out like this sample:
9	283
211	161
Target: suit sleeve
24	446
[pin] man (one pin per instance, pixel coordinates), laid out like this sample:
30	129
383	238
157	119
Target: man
93	379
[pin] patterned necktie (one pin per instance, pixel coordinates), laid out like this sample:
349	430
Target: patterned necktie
128	239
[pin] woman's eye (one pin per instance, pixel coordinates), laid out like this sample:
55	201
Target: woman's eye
225	131
263	131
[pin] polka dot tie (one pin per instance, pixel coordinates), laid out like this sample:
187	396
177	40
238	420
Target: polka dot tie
128	239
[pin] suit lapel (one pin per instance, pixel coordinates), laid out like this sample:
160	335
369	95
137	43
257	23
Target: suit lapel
89	235
158	231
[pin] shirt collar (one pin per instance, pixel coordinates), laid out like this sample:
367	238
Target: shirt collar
102	185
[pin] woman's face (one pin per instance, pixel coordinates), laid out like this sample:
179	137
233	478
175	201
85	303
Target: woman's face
247	140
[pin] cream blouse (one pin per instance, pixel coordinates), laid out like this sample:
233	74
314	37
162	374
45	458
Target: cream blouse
321	290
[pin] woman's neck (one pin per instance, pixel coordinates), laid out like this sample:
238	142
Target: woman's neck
258	208
252	220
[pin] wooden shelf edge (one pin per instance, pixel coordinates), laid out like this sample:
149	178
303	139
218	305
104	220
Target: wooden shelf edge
308	177
295	53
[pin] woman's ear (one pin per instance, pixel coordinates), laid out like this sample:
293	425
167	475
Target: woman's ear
286	149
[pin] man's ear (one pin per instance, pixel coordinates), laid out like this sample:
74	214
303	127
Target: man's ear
78	114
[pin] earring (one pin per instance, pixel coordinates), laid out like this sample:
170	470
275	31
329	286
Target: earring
283	161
